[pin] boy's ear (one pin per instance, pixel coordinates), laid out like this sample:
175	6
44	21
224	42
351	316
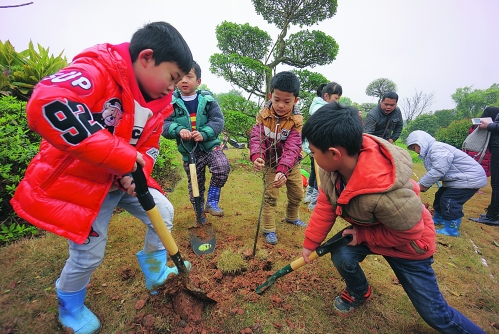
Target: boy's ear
296	100
145	56
335	152
198	82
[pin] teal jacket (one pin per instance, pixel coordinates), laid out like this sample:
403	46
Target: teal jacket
317	102
209	122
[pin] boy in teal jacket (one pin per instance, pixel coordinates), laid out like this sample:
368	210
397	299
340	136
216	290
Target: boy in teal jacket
197	121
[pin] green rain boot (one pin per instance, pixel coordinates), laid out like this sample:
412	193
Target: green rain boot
73	314
155	270
451	227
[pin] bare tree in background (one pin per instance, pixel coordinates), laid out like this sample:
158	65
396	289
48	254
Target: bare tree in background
416	105
20	5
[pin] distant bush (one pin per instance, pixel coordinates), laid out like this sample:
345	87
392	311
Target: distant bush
455	133
167	166
427	123
18	145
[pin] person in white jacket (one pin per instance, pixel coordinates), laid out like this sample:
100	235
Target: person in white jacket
326	93
460	174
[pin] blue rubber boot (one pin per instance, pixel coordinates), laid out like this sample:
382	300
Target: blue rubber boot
451	227
437	218
212	202
155	270
73	314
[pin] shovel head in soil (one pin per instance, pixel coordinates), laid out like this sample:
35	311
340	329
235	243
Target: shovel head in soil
329	246
147	202
202	239
201	235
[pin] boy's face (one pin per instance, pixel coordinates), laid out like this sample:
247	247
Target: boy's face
156	81
189	83
326	160
282	102
415	148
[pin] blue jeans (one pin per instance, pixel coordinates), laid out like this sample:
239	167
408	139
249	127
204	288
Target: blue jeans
419	282
85	258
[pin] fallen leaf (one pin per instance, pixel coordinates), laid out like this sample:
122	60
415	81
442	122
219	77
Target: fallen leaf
496	243
455	293
451	264
140	304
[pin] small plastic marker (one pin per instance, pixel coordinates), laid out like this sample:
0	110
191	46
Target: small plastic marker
204	247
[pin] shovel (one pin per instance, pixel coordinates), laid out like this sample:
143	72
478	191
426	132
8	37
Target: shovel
201	235
329	246
147	202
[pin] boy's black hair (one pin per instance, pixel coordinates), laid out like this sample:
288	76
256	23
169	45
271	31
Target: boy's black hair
390	95
334	125
287	82
166	43
197	70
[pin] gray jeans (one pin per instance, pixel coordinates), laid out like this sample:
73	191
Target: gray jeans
85	258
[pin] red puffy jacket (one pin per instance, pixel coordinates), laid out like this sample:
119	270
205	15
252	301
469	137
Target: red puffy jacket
85	114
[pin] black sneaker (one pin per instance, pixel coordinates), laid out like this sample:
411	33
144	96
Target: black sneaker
346	303
485	219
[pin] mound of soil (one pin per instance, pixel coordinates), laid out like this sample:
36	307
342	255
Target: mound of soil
186	309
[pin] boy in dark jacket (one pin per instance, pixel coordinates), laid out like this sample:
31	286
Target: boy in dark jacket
275	144
99	118
197	122
366	181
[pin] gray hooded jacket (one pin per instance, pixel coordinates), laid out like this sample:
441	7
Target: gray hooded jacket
445	163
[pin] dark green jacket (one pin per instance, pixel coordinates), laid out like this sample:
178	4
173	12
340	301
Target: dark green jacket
209	122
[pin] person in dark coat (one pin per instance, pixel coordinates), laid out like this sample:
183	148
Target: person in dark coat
385	120
491	217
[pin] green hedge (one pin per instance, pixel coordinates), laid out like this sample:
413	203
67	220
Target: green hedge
18	145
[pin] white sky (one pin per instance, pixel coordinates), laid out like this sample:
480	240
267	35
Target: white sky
425	45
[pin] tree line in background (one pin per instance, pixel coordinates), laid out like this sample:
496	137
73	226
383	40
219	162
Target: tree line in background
248	59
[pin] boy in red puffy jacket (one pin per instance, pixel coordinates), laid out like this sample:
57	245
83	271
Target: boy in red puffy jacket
99	117
367	181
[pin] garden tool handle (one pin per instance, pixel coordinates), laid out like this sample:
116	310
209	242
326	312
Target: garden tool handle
329	246
147	201
194	179
192	168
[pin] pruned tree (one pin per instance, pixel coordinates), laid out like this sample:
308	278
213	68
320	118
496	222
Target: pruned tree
416	105
379	87
249	57
367	106
309	82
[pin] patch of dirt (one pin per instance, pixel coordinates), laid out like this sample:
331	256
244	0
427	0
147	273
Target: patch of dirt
186	310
